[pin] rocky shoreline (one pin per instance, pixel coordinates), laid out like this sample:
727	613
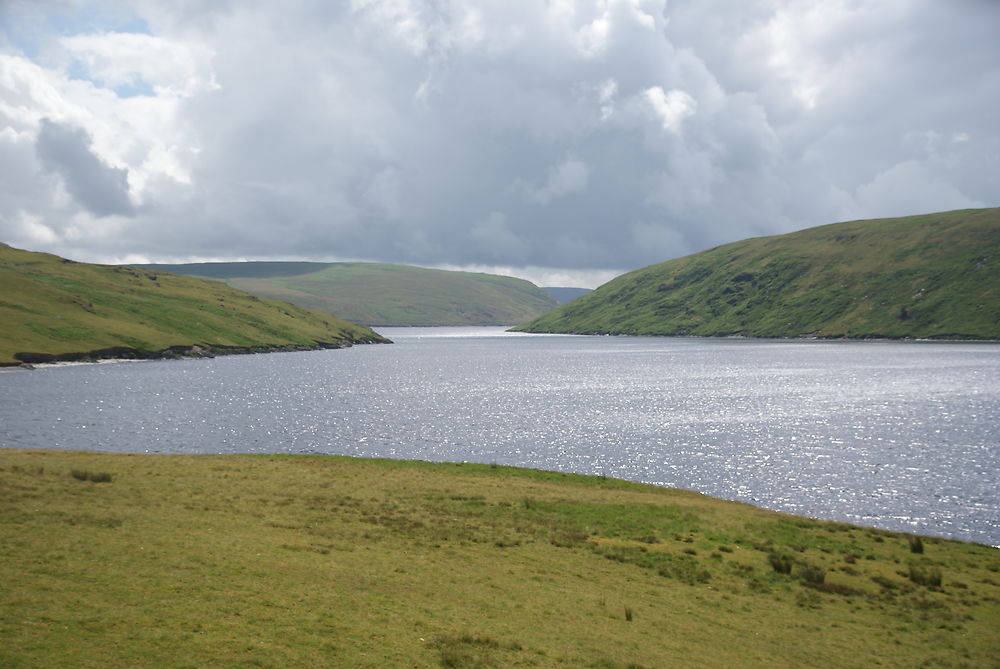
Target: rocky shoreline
28	360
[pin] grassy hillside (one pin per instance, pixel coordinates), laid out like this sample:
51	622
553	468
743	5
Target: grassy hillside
931	276
304	561
381	294
56	308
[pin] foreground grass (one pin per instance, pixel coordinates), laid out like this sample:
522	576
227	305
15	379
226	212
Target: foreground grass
190	561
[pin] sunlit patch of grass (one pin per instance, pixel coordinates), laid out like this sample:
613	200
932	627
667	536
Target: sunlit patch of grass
329	561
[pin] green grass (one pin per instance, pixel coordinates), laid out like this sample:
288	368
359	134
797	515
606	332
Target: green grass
383	294
931	276
303	561
55	308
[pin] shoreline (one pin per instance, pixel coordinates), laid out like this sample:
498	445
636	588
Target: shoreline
831	338
546	473
29	361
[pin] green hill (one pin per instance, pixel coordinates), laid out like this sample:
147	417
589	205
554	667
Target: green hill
930	276
383	294
144	560
56	309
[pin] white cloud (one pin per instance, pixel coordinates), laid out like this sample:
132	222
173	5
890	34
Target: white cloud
32	229
594	35
140	135
606	92
671	107
122	59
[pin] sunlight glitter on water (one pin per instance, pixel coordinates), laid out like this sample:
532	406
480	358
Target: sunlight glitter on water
902	435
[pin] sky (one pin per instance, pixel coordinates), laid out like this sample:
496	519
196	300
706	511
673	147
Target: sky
560	141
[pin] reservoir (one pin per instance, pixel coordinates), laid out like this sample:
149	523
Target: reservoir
899	435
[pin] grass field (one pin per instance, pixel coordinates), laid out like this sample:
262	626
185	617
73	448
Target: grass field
51	307
931	276
306	561
384	294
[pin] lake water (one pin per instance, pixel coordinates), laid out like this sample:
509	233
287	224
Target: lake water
900	435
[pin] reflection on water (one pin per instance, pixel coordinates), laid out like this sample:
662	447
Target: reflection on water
900	435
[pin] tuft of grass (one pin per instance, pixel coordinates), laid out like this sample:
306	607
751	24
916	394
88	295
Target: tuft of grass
472	651
96	477
835	589
926	575
813	574
916	544
781	564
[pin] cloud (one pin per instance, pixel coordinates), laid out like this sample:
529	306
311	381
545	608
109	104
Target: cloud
657	241
671	108
497	240
568	177
127	60
910	188
570	138
65	151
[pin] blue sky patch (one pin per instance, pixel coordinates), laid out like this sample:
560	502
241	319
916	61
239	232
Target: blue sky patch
29	29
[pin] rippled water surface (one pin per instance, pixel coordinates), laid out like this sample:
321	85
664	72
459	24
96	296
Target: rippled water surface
899	435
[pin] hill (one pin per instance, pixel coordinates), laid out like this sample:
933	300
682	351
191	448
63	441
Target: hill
931	276
383	294
317	561
564	295
57	309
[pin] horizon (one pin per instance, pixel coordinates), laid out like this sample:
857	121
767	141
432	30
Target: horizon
523	273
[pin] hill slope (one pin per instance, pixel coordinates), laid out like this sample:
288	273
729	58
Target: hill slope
143	560
52	308
383	294
930	276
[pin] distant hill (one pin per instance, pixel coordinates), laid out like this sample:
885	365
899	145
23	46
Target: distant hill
56	309
564	295
382	294
930	276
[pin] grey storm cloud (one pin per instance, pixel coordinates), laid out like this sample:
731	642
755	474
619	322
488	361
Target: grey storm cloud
65	150
589	135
